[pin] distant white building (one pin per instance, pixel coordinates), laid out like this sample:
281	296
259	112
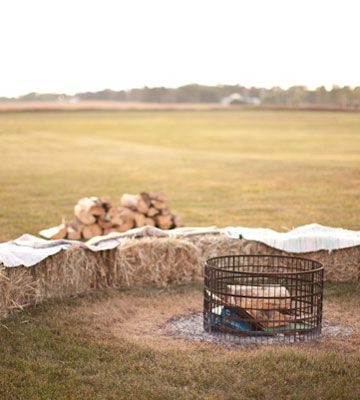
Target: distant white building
237	98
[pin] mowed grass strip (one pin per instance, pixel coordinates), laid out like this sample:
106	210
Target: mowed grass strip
276	169
65	350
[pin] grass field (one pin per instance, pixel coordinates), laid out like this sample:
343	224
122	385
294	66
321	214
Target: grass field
107	346
274	169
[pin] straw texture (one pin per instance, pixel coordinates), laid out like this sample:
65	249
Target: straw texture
139	262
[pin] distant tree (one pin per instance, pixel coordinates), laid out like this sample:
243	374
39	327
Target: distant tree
195	93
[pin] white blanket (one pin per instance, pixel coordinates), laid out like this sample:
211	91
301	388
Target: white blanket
303	239
29	250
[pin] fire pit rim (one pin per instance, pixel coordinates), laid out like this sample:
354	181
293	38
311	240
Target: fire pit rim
296	316
320	266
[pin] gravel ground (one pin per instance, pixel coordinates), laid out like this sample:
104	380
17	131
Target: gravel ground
190	327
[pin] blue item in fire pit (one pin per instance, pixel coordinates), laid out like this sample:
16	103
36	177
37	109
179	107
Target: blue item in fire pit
224	316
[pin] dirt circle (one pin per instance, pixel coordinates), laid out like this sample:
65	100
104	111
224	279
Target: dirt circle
169	320
190	327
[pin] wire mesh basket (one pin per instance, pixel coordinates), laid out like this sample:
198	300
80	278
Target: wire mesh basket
263	298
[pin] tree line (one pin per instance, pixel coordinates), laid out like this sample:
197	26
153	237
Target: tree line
294	96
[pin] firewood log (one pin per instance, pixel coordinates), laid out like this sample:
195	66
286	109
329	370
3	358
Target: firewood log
177	221
158	197
106	231
127	215
96	215
97	210
113	216
134	202
83	212
76	224
112	212
158	203
146	197
56	232
149	221
139	219
104	224
125	227
152	211
73	234
271	296
105	202
117	220
92	230
165	211
74	229
164	221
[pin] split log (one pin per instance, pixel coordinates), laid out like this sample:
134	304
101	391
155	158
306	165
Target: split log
127	215
56	232
96	215
111	213
91	231
74	230
105	202
134	202
77	225
158	197
114	217
149	221
124	227
177	221
146	197
97	210
139	219
165	211
73	234
164	221
83	212
152	211
109	230
158	202
271	296
104	224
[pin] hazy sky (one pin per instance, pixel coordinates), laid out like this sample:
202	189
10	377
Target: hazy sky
75	45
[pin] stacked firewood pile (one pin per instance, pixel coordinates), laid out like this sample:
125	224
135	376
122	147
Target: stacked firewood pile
95	216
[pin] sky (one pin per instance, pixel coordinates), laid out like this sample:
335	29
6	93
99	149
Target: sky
71	46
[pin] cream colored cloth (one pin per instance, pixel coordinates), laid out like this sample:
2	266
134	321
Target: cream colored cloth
29	250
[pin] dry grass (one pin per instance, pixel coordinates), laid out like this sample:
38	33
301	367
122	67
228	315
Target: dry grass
138	320
105	105
251	168
142	262
107	345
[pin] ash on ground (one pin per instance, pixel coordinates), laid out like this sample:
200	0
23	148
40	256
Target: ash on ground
190	327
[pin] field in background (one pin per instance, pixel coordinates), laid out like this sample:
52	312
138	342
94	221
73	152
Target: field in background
253	168
101	105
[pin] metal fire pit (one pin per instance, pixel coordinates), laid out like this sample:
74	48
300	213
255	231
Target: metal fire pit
263	298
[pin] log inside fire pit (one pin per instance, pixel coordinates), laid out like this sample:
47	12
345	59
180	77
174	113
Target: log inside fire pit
263	296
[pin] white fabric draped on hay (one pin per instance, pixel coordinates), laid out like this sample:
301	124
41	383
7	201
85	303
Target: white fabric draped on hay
29	250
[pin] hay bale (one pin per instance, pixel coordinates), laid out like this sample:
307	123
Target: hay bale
17	290
140	262
65	274
156	261
342	265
